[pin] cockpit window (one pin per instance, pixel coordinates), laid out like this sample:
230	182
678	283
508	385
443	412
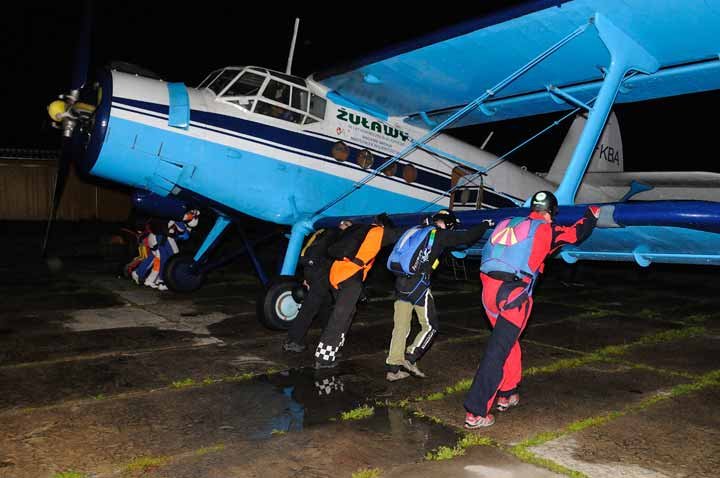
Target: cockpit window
248	84
299	99
222	81
277	91
266	92
208	79
317	106
279	112
290	79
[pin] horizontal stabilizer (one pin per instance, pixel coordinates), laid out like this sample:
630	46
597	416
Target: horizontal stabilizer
672	179
658	185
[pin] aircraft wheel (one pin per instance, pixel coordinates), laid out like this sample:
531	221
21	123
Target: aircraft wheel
276	308
179	277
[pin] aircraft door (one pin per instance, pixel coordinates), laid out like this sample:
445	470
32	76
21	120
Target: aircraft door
469	192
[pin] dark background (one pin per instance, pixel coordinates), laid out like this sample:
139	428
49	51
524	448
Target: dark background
185	41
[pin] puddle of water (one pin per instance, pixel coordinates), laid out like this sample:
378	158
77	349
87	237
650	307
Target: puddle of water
294	400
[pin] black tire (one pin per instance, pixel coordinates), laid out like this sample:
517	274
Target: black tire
276	308
179	277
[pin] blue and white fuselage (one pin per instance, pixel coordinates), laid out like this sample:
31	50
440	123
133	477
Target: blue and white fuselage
239	158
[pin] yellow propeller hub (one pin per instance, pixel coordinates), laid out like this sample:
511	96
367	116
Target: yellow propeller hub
56	110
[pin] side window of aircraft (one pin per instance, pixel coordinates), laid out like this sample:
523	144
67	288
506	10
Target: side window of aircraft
279	112
299	99
467	194
409	173
390	170
277	91
222	81
364	158
317	106
340	151
247	85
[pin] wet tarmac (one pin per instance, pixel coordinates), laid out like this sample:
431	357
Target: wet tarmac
102	378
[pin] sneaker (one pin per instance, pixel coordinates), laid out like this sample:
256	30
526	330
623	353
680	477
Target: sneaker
161	286
323	365
413	369
503	403
476	421
134	276
394	376
293	347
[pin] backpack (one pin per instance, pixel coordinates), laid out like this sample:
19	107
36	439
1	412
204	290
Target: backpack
412	250
509	247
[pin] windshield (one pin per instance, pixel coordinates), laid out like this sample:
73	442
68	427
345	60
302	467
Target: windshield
219	83
268	93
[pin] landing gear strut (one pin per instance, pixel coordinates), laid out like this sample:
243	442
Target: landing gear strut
276	308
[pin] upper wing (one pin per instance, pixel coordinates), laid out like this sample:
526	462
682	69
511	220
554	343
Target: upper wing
680	232
441	73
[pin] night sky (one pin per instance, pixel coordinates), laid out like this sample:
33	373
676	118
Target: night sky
183	42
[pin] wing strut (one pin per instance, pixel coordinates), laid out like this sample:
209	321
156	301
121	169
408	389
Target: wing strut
625	55
503	158
455	116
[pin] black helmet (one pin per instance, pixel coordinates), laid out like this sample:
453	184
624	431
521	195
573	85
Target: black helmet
447	217
544	201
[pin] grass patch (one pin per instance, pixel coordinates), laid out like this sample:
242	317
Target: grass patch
433	419
367	473
529	457
188	382
435	396
444	453
473	439
561	364
241	377
69	474
99	396
358	413
209	449
607	354
145	464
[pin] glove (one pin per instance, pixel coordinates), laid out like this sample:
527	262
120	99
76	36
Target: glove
606	217
595	211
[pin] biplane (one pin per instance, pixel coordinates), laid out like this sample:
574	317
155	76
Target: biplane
369	137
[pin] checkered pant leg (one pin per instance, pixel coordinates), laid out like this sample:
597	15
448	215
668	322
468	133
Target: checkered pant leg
327	352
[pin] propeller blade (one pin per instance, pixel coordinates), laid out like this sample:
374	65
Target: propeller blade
81	63
60	180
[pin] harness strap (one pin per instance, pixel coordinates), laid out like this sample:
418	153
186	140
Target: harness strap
356	260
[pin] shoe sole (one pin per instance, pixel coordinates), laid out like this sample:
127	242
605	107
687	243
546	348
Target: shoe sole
414	372
475	427
505	409
396	378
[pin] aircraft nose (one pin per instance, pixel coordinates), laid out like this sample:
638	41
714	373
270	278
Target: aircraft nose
92	136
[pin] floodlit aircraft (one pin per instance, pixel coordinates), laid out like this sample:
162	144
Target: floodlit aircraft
367	138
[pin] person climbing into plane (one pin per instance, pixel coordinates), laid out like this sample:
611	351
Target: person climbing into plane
354	254
317	300
413	259
512	259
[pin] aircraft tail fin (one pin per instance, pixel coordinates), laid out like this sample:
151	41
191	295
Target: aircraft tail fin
608	154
